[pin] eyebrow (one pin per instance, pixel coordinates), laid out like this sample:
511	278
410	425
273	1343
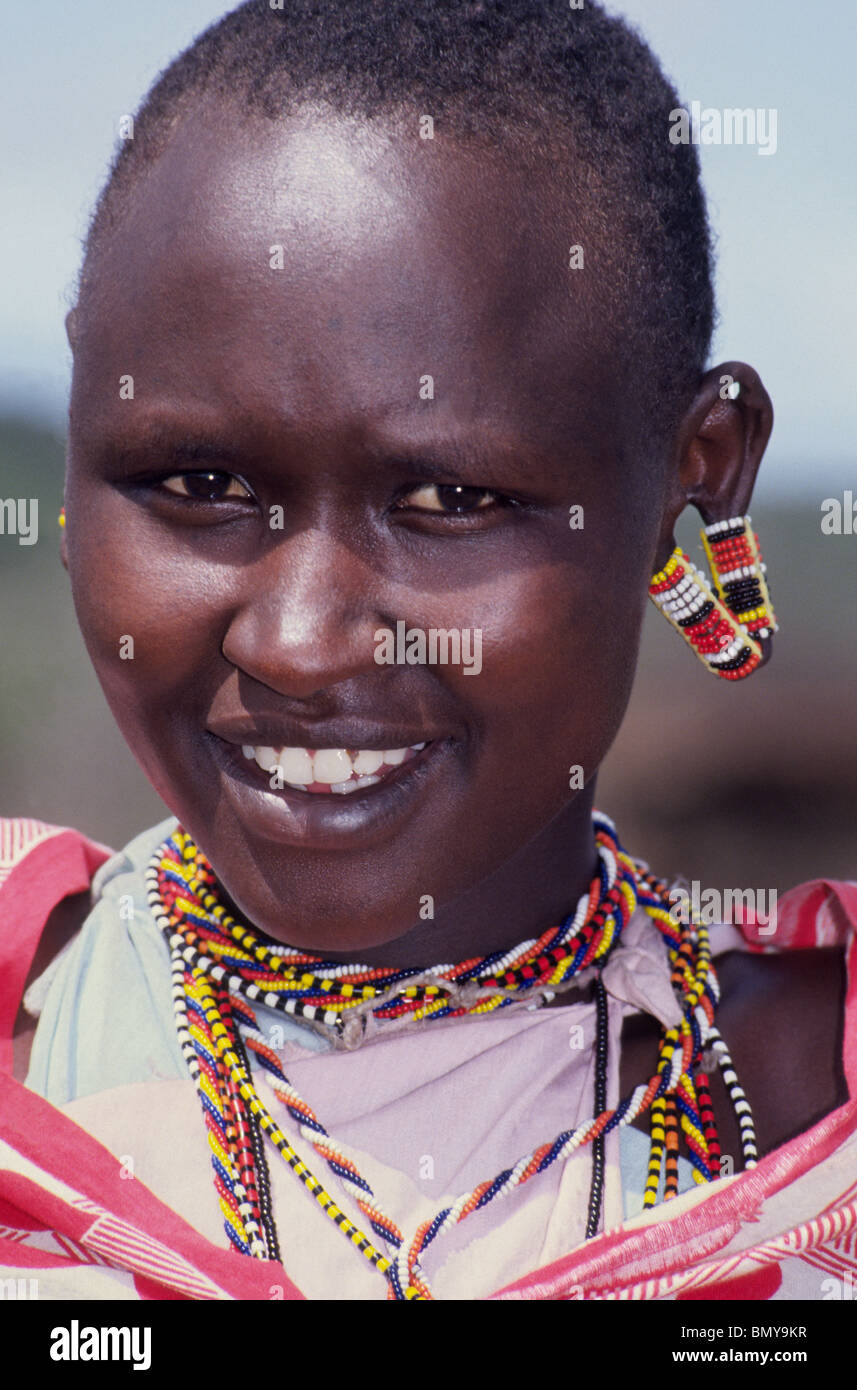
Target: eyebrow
172	443
462	461
200	451
479	447
436	464
447	459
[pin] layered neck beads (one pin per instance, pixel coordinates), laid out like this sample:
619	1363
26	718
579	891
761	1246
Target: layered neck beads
221	968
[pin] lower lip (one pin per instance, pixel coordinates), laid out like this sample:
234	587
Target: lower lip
326	821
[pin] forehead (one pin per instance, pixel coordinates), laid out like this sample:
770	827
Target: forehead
326	257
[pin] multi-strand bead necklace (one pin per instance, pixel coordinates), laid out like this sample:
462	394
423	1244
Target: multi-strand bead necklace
220	968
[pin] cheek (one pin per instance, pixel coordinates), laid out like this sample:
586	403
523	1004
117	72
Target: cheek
558	656
146	618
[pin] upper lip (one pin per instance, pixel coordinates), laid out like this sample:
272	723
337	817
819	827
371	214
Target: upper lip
263	733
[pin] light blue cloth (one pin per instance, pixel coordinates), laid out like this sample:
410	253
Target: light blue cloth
107	1018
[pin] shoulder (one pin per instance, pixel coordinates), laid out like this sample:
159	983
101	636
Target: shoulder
19	837
785	1002
41	865
61	925
783	1018
48	858
46	873
784	1014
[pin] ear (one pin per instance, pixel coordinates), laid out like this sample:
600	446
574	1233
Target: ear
719	446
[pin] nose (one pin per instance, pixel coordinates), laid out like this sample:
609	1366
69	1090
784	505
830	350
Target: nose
305	618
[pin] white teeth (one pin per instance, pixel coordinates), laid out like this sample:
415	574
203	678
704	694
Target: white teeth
296	766
354	785
332	765
368	761
336	768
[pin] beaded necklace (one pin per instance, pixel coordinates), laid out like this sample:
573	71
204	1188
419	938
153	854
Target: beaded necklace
219	966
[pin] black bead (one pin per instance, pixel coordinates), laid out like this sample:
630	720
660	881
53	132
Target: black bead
601	1041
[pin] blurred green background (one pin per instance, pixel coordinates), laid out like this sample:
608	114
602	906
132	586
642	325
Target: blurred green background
750	784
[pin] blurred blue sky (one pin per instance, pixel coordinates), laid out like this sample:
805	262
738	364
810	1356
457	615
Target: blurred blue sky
786	223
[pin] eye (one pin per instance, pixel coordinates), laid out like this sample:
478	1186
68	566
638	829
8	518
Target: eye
449	499
206	487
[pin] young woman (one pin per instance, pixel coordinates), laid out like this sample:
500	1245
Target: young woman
390	349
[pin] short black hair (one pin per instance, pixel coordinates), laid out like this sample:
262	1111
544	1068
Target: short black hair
529	69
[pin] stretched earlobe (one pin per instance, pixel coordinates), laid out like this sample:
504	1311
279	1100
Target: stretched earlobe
729	622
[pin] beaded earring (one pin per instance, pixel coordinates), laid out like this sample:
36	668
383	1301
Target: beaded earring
728	621
61	517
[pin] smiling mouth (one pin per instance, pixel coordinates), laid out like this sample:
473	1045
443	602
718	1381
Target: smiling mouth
331	771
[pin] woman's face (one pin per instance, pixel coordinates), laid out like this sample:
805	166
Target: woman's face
299	379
